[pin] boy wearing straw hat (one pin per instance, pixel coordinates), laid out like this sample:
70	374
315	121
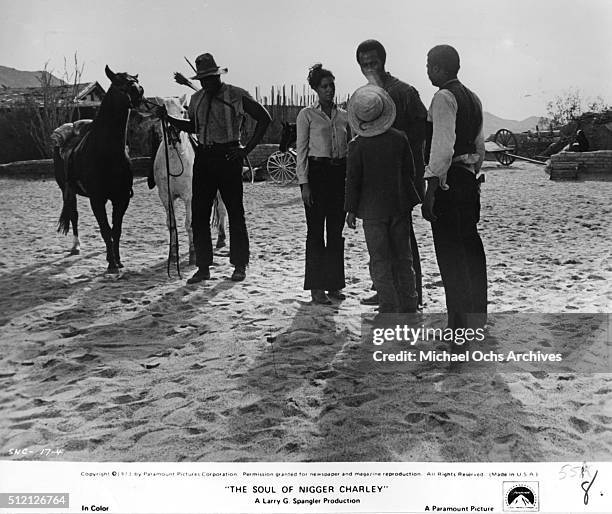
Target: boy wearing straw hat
380	190
411	119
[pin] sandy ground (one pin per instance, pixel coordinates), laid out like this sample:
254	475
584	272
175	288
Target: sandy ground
145	368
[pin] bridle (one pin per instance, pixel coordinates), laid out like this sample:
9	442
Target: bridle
127	88
172	227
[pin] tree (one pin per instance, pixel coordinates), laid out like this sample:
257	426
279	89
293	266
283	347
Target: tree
53	105
565	108
598	105
570	105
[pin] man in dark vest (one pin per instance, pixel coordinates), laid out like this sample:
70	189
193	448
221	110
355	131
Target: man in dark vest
411	119
452	200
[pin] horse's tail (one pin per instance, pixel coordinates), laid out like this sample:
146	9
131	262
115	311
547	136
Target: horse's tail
68	209
215	214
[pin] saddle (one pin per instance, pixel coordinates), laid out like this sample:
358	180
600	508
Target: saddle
66	138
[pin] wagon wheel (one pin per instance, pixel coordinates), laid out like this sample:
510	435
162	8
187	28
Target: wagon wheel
281	167
505	138
293	167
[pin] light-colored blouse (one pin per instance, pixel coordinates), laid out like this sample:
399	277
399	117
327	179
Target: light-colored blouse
320	136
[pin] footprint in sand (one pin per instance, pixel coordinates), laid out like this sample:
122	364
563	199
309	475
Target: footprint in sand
415	417
195	430
164	353
606	420
313	402
291	447
76	445
534	429
22	426
208	416
88	357
123	399
359	399
580	425
175	394
423	403
291	409
323	375
505	439
87	406
106	373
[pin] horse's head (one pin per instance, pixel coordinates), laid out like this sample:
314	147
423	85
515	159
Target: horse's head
126	84
175	107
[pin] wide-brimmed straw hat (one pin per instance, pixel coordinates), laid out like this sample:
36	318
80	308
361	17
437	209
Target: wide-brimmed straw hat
371	111
206	66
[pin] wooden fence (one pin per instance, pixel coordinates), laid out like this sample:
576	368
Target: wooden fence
282	102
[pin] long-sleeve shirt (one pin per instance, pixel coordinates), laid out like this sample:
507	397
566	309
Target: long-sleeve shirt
411	119
380	176
443	114
318	135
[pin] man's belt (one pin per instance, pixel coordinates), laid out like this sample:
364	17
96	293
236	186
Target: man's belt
328	160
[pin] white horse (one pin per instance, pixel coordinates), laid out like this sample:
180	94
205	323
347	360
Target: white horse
181	156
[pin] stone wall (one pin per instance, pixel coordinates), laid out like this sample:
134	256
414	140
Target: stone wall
585	164
43	168
597	128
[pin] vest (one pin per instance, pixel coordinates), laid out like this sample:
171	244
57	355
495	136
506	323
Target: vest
469	117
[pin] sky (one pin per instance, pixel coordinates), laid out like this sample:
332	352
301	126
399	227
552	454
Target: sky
515	55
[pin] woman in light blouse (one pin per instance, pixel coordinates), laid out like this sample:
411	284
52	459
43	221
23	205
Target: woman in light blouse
322	144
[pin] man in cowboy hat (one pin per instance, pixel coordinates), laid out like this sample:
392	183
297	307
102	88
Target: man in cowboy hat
411	119
452	201
216	113
380	190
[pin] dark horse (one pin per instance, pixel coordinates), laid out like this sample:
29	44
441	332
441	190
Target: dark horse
288	136
95	165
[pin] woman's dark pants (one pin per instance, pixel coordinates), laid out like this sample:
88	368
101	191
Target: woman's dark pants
325	221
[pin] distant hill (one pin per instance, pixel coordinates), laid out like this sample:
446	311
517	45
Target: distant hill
10	77
493	123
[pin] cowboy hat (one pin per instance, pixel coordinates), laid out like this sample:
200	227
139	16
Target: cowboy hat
206	66
371	111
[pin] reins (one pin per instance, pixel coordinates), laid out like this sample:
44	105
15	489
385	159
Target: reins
172	225
177	137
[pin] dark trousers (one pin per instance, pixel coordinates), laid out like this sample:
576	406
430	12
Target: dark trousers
325	221
459	249
388	242
212	172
